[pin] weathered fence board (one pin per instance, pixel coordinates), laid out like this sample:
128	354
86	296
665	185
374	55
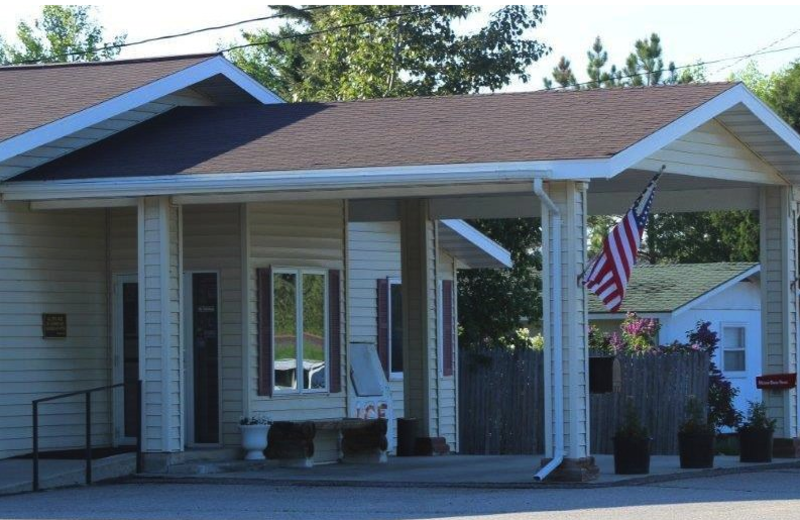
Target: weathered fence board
501	400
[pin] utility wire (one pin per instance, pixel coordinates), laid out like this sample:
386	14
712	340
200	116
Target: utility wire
326	30
192	32
766	47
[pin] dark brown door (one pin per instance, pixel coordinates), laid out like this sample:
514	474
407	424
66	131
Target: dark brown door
205	357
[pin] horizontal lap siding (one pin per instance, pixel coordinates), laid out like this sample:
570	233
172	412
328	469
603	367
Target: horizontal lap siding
373	253
211	242
294	234
52	261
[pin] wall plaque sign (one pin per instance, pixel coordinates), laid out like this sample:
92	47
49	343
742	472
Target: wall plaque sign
54	325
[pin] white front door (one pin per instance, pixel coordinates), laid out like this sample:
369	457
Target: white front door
202	358
125	310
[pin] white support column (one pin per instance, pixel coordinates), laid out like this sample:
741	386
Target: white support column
419	315
570	200
779	307
161	355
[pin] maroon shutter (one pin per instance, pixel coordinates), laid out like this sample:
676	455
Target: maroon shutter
448	329
335	330
383	324
264	290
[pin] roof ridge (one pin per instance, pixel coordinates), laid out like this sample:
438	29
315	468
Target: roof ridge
151	59
554	91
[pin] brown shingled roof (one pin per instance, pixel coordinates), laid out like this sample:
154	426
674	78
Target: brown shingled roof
534	126
35	95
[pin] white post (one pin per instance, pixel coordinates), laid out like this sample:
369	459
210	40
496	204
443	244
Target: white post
161	357
779	306
419	317
560	282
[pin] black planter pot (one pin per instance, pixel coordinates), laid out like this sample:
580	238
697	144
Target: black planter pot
696	450
755	445
631	456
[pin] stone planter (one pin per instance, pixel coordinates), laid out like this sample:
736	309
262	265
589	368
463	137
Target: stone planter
254	440
631	456
755	445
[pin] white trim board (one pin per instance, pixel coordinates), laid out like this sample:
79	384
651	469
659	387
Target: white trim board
494	254
187	77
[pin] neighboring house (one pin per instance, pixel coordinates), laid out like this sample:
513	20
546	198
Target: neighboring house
173	221
727	294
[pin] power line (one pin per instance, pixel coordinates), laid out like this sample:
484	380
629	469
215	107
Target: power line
327	30
766	47
192	32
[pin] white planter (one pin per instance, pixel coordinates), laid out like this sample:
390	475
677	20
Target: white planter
254	440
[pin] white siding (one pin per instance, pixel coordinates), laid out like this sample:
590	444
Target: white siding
711	151
212	242
52	262
779	303
570	197
160	324
296	234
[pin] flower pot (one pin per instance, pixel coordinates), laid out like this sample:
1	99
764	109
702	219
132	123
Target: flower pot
631	455
254	440
696	450
755	445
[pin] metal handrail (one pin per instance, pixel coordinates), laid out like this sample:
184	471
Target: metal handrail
88	403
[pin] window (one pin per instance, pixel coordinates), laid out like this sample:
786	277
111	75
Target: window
300	335
733	348
395	329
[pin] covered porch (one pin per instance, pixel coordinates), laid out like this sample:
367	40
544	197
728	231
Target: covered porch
719	147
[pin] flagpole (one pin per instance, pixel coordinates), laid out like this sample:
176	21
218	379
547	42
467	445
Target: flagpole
650	186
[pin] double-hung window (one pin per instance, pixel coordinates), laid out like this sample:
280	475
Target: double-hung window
733	348
300	330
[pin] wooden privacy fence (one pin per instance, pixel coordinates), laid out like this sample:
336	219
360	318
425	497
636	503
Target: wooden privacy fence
501	400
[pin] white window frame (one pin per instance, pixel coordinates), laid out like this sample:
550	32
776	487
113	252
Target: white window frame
299	272
721	350
393	376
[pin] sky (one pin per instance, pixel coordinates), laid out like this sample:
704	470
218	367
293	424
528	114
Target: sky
688	33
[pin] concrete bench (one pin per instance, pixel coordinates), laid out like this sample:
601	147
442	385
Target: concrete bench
360	441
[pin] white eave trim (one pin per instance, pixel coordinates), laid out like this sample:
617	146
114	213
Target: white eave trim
135	98
271	182
498	256
718	289
696	117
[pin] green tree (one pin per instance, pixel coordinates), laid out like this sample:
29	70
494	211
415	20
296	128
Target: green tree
419	53
391	50
61	34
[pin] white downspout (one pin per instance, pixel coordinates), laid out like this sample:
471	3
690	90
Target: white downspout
556	308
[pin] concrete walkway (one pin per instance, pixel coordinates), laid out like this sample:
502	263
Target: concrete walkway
16	475
454	471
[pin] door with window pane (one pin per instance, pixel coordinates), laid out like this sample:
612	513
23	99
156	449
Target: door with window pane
203	353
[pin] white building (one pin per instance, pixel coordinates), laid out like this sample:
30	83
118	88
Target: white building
727	294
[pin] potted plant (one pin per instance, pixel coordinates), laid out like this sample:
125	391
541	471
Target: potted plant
632	444
254	436
696	437
755	435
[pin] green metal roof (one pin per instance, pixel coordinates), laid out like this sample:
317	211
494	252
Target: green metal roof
667	287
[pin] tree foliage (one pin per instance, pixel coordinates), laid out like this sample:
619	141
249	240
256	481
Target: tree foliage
61	34
391	50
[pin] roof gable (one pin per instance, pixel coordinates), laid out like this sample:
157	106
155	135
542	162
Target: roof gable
667	288
42	104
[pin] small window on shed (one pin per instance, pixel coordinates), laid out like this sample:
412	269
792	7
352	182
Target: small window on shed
733	348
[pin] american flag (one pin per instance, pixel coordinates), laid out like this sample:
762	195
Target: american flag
608	274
